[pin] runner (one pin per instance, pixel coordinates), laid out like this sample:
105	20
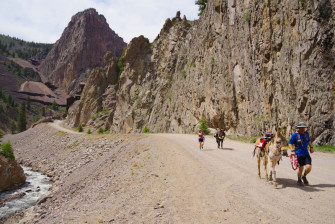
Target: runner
201	139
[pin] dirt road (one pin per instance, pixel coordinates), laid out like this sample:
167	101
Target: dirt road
59	125
165	178
225	186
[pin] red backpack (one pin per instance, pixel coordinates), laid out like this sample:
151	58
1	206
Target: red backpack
262	143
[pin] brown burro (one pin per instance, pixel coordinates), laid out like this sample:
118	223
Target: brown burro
272	153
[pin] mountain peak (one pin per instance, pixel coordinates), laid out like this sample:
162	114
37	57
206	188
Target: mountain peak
82	46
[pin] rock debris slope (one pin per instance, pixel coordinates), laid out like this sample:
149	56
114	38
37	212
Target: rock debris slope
246	66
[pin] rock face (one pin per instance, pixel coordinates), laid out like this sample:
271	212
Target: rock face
11	174
82	46
245	66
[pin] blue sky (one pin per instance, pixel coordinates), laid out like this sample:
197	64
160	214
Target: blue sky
44	20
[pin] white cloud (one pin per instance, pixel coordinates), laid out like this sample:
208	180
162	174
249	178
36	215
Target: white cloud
45	20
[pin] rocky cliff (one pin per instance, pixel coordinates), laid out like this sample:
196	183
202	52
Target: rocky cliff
246	66
82	46
11	174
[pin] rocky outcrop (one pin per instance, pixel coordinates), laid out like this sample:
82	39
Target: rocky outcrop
11	174
82	46
245	66
42	120
92	95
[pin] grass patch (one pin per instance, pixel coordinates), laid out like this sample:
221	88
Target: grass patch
325	148
73	144
247	17
242	138
183	73
103	112
61	133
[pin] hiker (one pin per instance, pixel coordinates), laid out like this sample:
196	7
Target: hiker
201	139
301	140
219	135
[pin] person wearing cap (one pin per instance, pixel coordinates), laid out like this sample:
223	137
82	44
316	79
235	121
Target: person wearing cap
301	141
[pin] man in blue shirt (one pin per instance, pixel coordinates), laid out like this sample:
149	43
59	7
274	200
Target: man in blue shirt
301	140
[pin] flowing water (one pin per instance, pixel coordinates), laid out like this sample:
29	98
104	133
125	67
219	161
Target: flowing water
36	185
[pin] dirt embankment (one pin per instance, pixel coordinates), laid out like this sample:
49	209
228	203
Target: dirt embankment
98	178
165	178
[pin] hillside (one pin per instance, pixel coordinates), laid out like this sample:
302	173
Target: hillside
245	67
14	73
15	47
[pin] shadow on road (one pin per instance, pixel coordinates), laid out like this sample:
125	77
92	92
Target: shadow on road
217	149
207	150
227	149
310	188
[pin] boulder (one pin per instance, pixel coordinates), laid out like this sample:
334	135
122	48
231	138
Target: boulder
11	174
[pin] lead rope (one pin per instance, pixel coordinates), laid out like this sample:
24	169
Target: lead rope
294	162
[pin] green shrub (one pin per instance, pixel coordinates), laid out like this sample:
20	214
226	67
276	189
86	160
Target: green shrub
89	131
328	148
80	128
247	17
7	150
107	132
94	116
101	130
146	130
183	73
203	126
105	111
253	139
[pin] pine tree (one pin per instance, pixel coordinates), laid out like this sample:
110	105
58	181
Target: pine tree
28	103
43	111
54	105
22	121
12	127
204	126
80	128
202	5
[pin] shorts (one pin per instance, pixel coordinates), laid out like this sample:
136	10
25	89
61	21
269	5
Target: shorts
305	160
201	140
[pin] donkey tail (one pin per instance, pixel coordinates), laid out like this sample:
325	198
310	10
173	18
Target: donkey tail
253	154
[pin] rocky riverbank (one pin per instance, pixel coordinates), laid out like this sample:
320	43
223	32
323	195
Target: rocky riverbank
97	178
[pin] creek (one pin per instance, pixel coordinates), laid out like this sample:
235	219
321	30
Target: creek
37	184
